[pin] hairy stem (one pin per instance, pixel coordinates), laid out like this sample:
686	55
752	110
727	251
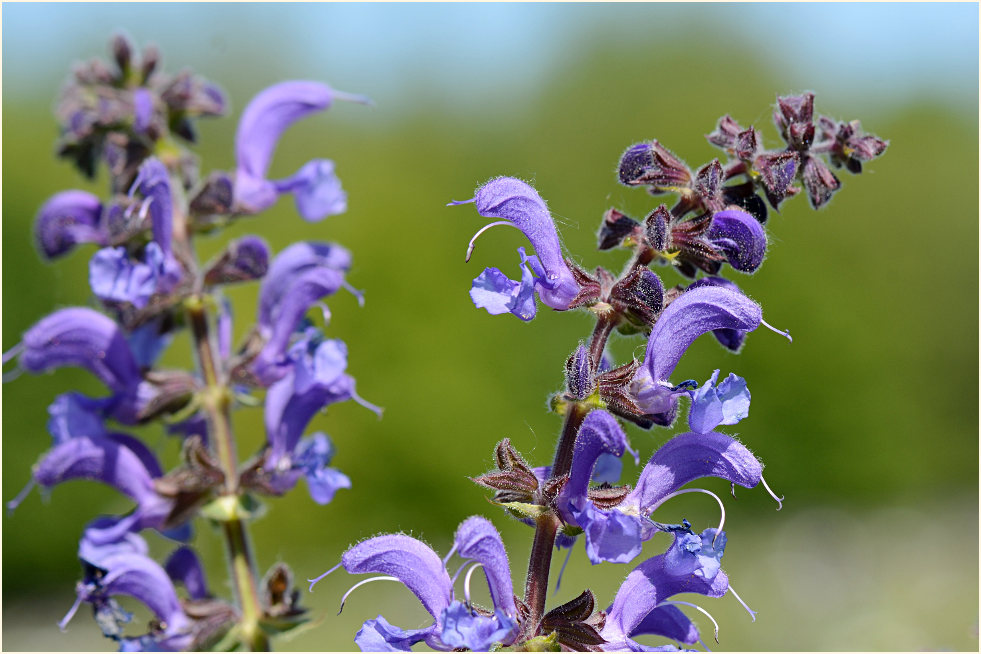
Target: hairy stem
217	406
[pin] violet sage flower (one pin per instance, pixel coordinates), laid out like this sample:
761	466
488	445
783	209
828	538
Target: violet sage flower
67	219
82	337
413	563
739	236
545	272
315	188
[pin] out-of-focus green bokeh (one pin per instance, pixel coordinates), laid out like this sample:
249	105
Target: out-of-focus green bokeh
866	423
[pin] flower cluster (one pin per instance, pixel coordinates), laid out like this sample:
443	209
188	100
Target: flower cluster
718	218
150	286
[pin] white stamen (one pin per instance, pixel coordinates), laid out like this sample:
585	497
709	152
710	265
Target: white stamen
314	581
446	559
14	503
12	352
703	645
463	567
772	494
774	329
752	613
377	410
558	581
722	507
145	208
71	613
355	292
325	311
362	583
351	97
732	489
699	609
12	375
470	245
466	582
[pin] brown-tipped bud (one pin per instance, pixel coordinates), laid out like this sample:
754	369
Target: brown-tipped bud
216	196
657	229
578	375
150	61
819	181
848	145
653	165
192	483
575	624
615	227
725	134
173	389
122	52
708	185
243	260
777	172
614	388
514	481
640	297
794	118
747	144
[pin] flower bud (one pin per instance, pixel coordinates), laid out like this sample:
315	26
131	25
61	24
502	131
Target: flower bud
640	297
616	226
656	228
578	376
654	165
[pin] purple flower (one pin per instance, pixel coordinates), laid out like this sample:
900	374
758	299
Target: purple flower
131	573
419	568
641	606
696	311
315	379
316	189
740	237
617	534
184	566
79	336
67	219
298	278
545	272
725	404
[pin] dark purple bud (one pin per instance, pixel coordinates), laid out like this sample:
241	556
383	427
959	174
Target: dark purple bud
793	117
184	566
819	181
708	185
640	296
657	229
66	219
122	52
848	144
653	165
744	196
616	226
151	59
578	378
747	144
215	197
777	171
244	260
740	236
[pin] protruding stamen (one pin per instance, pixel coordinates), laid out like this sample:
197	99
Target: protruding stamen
466	582
12	352
699	609
377	410
456	575
752	613
313	582
324	311
351	97
558	582
71	613
633	453
446	559
362	583
774	329
14	503
700	642
355	292
471	244
12	375
772	494
732	489
722	507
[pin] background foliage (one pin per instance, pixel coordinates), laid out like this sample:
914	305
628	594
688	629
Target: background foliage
866	422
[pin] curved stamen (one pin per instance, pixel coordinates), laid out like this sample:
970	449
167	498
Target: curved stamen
12	352
351	97
71	613
355	292
377	410
722	507
772	494
12	375
466	583
558	581
446	559
14	503
732	489
324	311
470	245
774	329
362	583
463	567
752	613
697	608
313	582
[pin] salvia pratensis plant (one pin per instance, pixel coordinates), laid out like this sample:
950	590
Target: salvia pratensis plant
133	121
719	217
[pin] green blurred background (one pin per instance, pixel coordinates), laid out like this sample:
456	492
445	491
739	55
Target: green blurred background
866	422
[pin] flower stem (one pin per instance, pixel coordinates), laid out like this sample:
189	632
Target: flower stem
217	406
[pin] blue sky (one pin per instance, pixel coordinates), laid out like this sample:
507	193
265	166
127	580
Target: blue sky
922	49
